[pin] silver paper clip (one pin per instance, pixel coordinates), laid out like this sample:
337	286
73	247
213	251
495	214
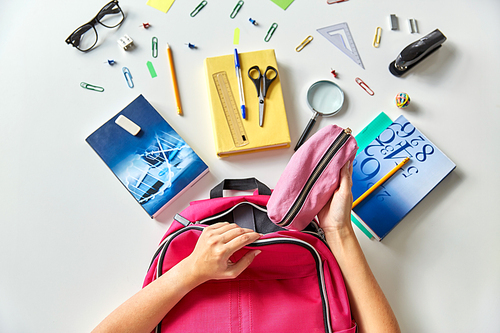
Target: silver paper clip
128	77
304	43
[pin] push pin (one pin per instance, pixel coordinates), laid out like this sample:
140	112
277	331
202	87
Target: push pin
110	62
191	46
145	25
126	42
333	72
252	21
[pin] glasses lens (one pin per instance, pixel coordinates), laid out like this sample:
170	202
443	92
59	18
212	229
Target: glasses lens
111	15
84	38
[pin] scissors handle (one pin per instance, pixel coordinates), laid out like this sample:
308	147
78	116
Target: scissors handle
268	80
256	81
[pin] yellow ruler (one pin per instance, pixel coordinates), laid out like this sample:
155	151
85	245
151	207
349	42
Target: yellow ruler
231	111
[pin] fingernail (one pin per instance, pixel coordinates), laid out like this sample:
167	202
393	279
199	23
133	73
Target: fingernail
256	253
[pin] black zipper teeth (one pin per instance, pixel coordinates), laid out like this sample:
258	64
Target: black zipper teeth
318	170
163	250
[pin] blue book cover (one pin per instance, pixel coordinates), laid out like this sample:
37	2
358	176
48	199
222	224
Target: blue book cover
383	209
155	165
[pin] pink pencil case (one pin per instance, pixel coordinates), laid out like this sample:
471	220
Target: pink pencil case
311	177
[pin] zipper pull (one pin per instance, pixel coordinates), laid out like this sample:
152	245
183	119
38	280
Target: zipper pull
321	233
348	131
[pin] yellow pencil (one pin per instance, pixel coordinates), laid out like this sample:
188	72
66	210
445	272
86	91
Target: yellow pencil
380	182
174	80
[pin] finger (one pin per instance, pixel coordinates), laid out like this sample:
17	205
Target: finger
243	263
217	225
224	227
238	242
231	234
345	176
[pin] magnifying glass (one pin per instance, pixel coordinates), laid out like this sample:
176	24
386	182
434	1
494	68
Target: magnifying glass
324	98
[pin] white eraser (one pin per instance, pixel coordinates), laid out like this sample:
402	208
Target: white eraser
128	125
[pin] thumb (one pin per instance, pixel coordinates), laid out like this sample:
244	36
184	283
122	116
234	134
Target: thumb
243	263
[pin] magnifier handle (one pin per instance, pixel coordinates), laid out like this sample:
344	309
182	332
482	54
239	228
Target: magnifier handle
305	134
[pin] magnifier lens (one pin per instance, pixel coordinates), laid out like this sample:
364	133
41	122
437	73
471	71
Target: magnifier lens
325	97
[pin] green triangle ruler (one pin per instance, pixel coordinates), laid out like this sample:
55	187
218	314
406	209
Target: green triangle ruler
333	34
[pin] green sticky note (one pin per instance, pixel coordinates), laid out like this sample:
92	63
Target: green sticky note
236	38
163	5
151	69
363	139
283	3
372	130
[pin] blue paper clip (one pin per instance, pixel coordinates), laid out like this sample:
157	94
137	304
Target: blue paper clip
270	32
198	8
128	77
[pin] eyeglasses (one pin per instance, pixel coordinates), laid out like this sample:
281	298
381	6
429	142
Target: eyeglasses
85	37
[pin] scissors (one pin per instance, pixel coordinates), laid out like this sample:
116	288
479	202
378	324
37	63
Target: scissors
262	88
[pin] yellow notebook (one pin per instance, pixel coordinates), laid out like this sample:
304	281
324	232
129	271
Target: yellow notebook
274	133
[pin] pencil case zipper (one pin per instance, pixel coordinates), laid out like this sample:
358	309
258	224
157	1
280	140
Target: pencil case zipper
330	153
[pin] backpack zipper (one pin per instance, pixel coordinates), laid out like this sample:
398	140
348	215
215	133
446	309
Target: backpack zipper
261	242
337	144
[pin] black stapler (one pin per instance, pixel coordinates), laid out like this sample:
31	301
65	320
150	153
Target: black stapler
416	52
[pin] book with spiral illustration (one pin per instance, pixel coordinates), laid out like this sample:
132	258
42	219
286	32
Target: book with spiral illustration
383	209
153	162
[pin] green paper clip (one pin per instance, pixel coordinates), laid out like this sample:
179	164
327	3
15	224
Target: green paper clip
89	86
237	9
270	32
197	9
154	46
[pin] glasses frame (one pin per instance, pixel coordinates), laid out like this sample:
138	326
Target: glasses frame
92	23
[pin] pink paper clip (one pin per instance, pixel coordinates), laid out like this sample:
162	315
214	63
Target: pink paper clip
331	2
365	87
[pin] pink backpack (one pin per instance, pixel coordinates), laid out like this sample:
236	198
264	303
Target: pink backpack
294	285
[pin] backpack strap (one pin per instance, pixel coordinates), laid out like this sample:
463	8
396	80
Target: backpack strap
245	184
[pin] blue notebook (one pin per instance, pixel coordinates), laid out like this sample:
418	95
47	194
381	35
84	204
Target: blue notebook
156	165
382	210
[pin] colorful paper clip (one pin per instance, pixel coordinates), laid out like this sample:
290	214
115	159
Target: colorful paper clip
236	9
331	2
198	8
304	43
154	47
89	86
128	77
364	86
376	39
270	32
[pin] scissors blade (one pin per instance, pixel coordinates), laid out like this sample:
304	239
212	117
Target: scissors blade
261	111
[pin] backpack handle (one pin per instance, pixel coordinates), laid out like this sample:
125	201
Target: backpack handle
245	184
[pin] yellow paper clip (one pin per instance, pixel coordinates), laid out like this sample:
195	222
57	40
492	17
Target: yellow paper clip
376	39
270	32
236	9
304	43
198	8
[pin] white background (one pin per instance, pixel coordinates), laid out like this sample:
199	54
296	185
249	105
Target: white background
74	244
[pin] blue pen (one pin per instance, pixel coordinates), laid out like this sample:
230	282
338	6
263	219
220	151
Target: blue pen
237	67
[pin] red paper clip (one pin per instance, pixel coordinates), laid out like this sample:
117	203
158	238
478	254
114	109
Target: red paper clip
364	86
331	2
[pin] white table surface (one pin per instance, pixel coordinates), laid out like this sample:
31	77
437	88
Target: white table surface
74	244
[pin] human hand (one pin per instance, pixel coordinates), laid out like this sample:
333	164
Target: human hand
336	214
210	258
